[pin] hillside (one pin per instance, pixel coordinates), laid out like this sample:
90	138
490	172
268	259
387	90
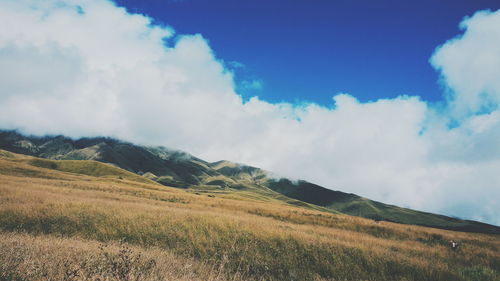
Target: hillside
179	169
358	206
63	221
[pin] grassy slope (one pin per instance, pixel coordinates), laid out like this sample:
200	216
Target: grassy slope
223	232
27	166
46	257
358	206
246	189
179	169
87	167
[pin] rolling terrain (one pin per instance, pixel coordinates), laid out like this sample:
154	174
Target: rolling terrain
87	220
179	169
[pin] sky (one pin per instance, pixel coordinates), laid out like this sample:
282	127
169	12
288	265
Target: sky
310	50
392	102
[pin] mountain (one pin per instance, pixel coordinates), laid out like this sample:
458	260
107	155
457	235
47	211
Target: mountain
88	220
175	168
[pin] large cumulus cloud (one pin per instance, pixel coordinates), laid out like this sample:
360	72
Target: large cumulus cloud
84	68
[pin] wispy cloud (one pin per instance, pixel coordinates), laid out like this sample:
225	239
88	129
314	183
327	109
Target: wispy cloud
235	64
256	84
90	68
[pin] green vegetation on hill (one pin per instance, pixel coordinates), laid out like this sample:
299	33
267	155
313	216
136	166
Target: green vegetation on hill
88	167
358	206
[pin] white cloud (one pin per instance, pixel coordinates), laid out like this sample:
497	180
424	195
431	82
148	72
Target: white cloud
89	68
470	65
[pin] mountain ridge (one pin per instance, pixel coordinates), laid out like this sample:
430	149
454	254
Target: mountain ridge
179	169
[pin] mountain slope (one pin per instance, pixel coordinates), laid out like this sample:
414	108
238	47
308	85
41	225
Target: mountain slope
358	206
68	222
173	167
21	165
179	169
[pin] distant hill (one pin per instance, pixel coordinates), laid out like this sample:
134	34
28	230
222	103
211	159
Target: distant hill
175	168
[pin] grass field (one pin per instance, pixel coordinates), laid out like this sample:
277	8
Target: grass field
72	222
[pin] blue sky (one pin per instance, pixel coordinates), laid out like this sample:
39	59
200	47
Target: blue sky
311	50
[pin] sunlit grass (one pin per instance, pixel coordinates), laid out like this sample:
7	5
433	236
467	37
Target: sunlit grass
229	234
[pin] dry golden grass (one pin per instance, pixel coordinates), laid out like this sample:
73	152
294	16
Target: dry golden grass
27	257
226	236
